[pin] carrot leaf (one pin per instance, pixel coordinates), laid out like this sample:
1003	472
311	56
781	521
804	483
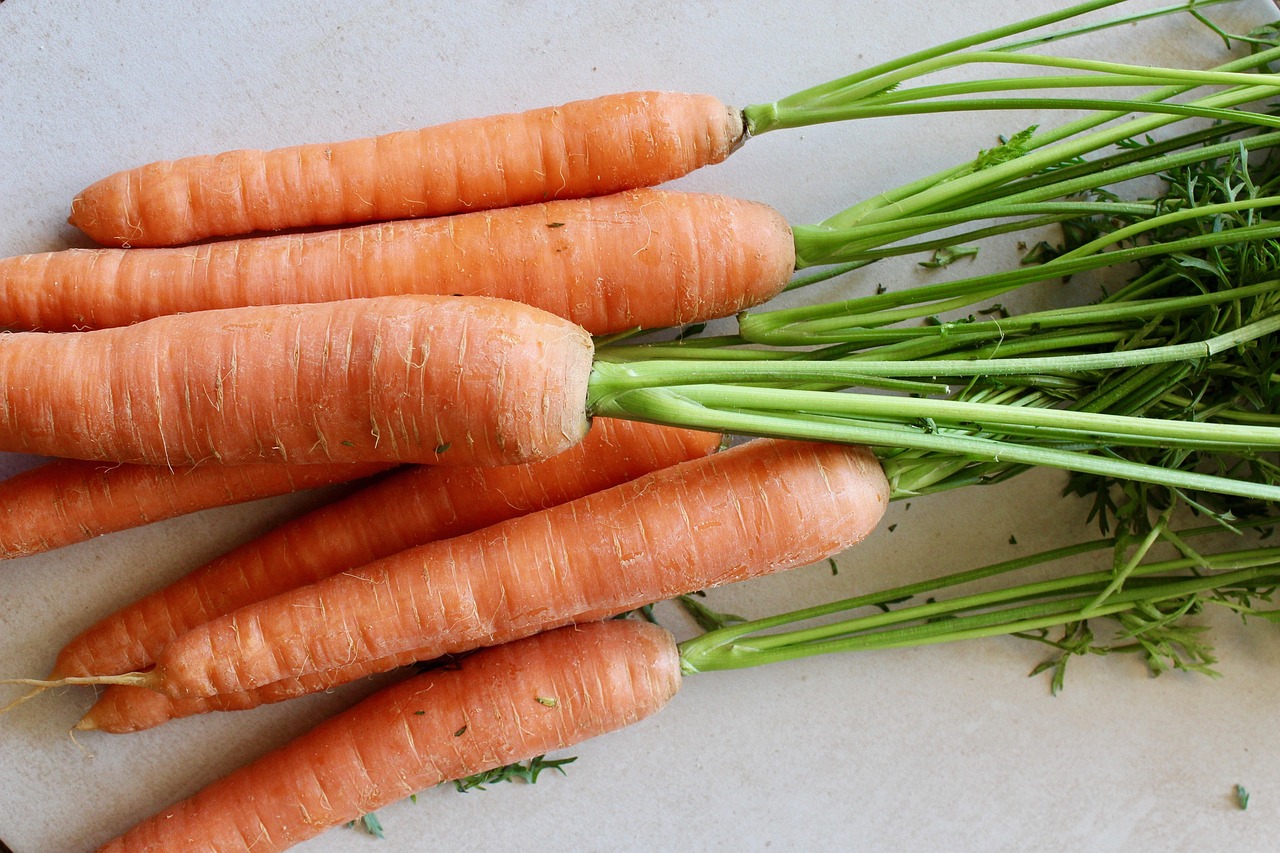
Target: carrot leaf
368	823
519	771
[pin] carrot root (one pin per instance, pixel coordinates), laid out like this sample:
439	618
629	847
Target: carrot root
710	521
442	380
498	706
134	679
584	148
646	258
67	501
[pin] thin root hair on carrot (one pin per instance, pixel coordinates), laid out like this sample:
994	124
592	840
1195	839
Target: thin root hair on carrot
137	679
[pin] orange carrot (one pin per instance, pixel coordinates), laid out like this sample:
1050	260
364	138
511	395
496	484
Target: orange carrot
702	523
66	501
406	509
638	259
497	706
584	148
400	379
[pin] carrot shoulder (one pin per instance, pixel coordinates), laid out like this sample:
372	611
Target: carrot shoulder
66	501
646	258
757	508
400	379
495	707
583	148
405	509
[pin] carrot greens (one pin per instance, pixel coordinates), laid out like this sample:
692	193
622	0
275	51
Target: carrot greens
1165	381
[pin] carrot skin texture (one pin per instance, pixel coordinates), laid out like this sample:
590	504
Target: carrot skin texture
647	258
445	724
706	522
66	501
584	148
403	510
443	380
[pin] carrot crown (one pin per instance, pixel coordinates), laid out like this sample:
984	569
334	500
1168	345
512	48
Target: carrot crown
1164	381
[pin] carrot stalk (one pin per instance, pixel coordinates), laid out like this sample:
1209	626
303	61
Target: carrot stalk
701	523
494	707
66	501
404	510
413	378
637	259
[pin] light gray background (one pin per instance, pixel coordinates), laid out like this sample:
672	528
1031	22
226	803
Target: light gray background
934	748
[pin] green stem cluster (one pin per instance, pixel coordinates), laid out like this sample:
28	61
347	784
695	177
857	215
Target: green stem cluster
1168	381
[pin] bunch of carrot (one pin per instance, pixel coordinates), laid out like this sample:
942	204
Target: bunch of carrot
460	345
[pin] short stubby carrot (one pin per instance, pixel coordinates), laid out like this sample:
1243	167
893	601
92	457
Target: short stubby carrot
647	258
66	501
465	381
494	707
407	508
584	148
757	508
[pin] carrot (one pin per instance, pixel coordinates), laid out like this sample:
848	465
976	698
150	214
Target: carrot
403	510
66	501
588	147
702	523
638	259
409	378
584	148
494	707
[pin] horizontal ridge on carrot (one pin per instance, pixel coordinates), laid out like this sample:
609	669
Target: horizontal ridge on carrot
497	706
400	379
645	259
66	501
702	523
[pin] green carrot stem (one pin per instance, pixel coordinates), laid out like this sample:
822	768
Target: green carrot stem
697	407
734	649
761	118
612	378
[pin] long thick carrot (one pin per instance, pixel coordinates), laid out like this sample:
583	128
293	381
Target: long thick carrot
706	522
401	511
495	707
66	501
647	258
400	379
590	147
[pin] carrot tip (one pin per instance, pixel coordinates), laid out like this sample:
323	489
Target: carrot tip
31	694
136	679
87	724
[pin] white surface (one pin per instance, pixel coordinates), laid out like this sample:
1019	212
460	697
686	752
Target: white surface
927	749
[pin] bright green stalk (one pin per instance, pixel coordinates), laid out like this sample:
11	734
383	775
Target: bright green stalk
698	407
1007	610
761	118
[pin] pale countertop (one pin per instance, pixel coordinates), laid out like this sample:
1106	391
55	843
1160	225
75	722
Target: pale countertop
936	748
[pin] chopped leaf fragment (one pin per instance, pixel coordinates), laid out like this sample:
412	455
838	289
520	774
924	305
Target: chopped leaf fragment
947	256
526	772
707	619
1242	797
368	823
